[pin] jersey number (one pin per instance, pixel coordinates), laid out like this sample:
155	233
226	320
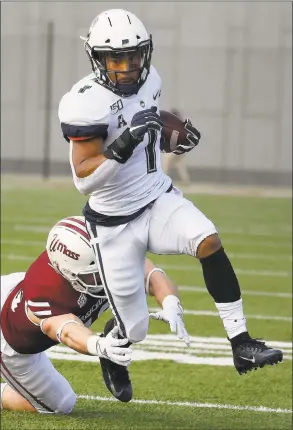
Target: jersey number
150	151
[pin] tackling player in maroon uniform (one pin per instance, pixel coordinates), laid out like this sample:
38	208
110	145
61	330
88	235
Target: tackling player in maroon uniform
56	300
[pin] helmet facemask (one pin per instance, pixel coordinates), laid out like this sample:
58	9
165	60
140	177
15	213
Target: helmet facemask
115	79
86	281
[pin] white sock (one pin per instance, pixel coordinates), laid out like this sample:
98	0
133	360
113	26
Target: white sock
2	385
233	317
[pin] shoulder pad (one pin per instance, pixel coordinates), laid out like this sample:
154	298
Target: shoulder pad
84	111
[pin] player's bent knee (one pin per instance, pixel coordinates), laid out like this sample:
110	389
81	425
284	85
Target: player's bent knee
209	246
138	332
67	404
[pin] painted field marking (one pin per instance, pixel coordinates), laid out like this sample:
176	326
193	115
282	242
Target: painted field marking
196	289
215	314
236	231
194	268
187	268
265	257
211	351
192	404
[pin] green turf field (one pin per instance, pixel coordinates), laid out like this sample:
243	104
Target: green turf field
176	387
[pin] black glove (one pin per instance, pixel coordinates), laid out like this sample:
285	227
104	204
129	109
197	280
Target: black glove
143	121
122	148
192	139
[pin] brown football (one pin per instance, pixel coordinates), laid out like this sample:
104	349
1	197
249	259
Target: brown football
173	131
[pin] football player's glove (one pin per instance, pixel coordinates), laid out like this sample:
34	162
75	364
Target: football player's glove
192	139
122	148
110	347
143	121
172	313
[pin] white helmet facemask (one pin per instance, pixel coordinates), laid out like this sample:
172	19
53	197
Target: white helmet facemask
119	36
71	255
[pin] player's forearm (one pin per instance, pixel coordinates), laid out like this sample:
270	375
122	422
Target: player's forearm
160	286
76	337
98	178
88	166
68	329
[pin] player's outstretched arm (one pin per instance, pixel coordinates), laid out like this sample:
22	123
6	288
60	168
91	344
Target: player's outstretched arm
158	284
70	330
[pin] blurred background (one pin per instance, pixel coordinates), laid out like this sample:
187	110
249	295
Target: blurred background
227	66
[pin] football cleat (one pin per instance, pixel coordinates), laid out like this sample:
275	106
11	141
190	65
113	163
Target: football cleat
116	377
254	354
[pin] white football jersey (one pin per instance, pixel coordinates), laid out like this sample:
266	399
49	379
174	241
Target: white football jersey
141	179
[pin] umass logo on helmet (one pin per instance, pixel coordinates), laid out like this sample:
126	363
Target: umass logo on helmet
57	246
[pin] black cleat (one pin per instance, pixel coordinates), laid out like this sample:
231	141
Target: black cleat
252	354
116	377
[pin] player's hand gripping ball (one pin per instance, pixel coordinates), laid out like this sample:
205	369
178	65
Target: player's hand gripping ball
177	136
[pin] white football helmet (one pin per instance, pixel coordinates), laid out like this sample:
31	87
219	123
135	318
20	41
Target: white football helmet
117	32
71	255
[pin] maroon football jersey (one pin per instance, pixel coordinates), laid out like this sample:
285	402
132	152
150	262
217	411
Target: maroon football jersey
46	294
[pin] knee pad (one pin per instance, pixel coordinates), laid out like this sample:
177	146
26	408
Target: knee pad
138	332
67	404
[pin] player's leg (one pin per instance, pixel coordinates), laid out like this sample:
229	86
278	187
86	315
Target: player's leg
121	257
34	385
11	400
177	226
120	253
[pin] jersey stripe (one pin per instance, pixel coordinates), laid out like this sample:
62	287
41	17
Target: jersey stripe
38	304
42	313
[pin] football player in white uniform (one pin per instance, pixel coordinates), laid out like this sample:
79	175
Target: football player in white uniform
111	119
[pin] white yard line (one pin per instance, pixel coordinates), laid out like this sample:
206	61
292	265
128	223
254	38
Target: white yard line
266	257
266	244
229	231
209	351
196	289
215	314
22	242
192	404
257	231
239	271
187	268
181	287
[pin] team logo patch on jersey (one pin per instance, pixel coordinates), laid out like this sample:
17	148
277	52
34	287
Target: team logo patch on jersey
158	93
121	121
116	107
82	300
17	299
142	103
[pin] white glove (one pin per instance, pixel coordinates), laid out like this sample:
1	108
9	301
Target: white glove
172	313
109	347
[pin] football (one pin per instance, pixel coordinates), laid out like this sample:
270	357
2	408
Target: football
173	131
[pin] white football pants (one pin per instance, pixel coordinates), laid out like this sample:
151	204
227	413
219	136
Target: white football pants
171	225
33	375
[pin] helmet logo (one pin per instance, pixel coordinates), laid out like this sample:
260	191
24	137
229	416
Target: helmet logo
57	245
